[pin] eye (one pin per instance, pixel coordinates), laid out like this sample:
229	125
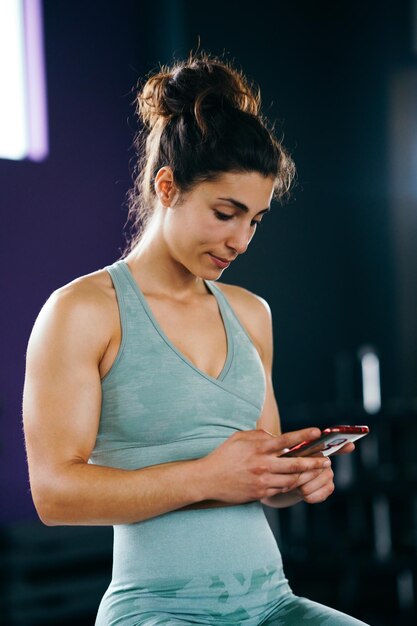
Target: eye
222	216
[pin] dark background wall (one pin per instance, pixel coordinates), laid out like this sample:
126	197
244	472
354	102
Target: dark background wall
328	262
337	264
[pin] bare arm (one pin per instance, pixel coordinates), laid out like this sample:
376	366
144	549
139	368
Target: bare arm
61	409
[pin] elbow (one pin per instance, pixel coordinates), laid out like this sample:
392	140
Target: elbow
49	505
57	494
45	520
46	510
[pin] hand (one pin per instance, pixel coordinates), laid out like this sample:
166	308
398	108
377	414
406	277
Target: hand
315	485
312	487
248	466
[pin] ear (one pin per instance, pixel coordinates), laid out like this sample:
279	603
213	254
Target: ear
165	187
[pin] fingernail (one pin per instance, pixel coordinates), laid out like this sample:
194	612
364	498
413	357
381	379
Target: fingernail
327	463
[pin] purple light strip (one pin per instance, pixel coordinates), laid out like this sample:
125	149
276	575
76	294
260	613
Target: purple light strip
36	81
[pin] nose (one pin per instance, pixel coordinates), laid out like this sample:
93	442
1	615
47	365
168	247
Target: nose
240	239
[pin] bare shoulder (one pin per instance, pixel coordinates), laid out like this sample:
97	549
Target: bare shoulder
252	310
85	309
94	289
246	302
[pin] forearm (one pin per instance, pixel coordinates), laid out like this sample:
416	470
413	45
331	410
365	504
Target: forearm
86	494
279	501
78	493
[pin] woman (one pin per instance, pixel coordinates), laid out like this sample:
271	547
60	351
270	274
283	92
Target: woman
148	401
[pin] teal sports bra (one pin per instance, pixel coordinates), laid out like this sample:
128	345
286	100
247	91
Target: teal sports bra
199	566
157	406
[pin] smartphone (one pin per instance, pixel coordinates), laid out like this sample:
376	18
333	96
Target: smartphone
330	441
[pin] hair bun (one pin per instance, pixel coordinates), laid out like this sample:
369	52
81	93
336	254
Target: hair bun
195	86
151	100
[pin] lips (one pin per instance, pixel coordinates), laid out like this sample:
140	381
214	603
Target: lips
221	258
219	261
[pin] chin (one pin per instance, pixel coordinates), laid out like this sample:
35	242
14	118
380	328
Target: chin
216	274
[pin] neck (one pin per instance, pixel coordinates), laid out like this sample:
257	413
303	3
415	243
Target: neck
157	272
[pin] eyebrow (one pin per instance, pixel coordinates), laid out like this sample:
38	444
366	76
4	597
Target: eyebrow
243	207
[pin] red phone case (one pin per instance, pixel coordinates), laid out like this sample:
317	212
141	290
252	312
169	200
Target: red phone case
330	441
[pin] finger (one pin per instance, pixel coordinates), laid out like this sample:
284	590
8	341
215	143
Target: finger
267	432
320	494
347	448
306	477
288	440
289	482
283	482
317	483
297	465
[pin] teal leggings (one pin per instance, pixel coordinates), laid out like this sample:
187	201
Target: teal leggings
292	611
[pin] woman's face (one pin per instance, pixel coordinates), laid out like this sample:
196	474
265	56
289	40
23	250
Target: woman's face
216	220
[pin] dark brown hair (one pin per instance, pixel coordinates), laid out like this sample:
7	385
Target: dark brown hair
202	118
